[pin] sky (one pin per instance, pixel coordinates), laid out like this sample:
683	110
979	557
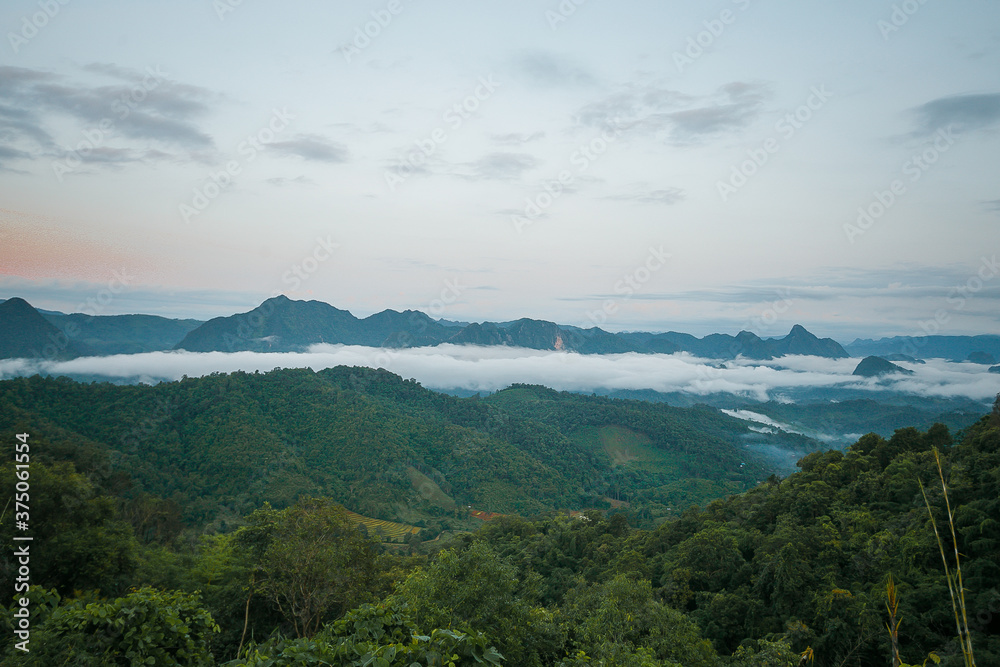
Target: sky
714	166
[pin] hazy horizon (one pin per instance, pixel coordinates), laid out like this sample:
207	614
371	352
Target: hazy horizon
635	166
699	330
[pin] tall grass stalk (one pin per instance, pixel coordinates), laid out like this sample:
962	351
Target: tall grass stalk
954	580
892	605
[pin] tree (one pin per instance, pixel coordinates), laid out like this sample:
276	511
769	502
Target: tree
311	561
620	623
477	589
381	635
78	544
763	653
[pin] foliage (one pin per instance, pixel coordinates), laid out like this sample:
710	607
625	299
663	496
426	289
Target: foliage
310	560
793	569
209	450
763	653
475	588
803	559
78	541
374	635
145	627
619	620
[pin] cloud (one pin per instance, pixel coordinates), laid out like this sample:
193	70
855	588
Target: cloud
516	138
491	368
907	281
992	205
15	121
635	107
406	169
547	69
281	181
964	112
8	153
667	196
501	166
734	106
141	106
312	147
106	156
685	119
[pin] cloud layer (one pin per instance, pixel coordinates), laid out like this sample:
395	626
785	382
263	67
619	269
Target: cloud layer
144	106
488	369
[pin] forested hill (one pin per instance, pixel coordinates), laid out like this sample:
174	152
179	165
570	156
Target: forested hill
807	559
794	571
220	446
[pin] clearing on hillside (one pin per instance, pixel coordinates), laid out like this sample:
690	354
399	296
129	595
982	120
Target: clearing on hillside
622	444
429	490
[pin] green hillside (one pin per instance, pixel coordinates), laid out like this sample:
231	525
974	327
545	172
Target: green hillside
221	445
201	522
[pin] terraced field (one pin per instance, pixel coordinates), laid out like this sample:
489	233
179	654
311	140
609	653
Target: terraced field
387	531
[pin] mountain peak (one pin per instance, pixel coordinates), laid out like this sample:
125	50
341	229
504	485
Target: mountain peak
278	298
25	333
876	366
16	304
801	341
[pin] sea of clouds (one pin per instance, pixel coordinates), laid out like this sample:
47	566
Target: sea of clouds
487	369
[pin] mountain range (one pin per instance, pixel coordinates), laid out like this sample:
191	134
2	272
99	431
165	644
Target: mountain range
978	349
281	324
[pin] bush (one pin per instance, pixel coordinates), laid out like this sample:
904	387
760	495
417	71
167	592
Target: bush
146	627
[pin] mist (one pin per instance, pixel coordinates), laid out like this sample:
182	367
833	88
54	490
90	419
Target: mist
488	369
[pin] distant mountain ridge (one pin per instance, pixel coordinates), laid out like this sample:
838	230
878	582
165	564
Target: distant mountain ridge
281	324
953	348
120	334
